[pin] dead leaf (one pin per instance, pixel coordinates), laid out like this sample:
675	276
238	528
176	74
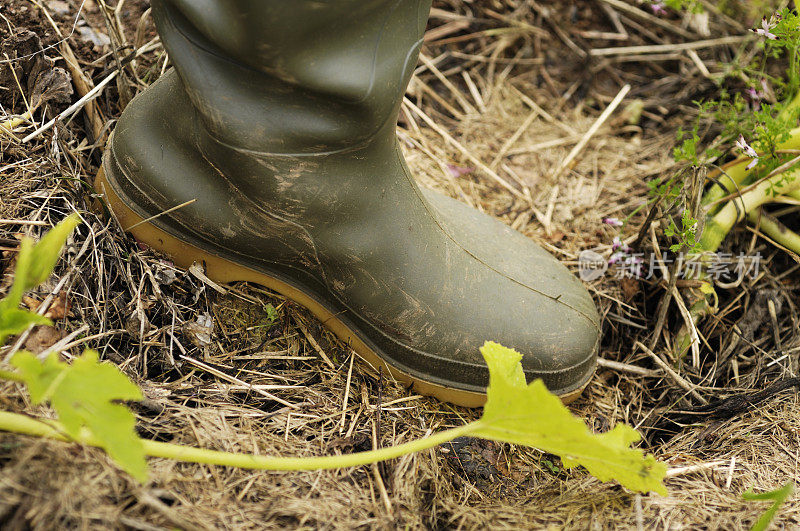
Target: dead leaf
630	288
41	79
53	85
199	331
60	308
31	303
134	325
41	338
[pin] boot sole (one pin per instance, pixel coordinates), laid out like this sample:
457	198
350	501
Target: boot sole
222	270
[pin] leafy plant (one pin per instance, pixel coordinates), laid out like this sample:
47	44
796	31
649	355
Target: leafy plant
515	412
765	169
686	234
777	496
529	414
84	394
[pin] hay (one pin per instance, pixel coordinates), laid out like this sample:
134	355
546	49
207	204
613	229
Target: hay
522	86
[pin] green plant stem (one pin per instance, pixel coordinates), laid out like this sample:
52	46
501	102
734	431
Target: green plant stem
17	423
729	178
737	208
9	375
776	230
794	194
717	227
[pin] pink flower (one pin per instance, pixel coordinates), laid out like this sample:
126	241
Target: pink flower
658	8
755	96
614	222
615	258
618	245
748	150
459	171
764	30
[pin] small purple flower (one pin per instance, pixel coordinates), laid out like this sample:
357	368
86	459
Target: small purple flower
658	8
614	222
618	245
748	150
459	171
753	94
764	30
755	97
616	258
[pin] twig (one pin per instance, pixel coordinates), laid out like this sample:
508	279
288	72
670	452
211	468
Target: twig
625	367
510	142
167	211
92	94
196	269
644	15
219	374
346	393
672	374
378	479
452	88
83	84
24	222
681	470
314	344
464	151
593	129
661	48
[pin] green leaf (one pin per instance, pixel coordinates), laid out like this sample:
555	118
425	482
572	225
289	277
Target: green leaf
529	414
14	321
46	252
35	262
84	394
39	376
14	296
272	313
706	288
777	496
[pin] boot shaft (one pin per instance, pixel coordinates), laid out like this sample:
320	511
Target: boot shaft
305	76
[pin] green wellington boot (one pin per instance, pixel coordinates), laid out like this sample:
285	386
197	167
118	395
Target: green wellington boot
269	155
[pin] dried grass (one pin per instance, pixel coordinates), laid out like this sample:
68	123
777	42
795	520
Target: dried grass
520	93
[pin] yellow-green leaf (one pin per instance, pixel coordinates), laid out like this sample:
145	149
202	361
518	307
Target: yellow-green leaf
35	262
46	252
39	376
13	321
84	395
777	497
14	295
530	415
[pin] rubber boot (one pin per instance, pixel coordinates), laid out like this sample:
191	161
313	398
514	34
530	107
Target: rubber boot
269	155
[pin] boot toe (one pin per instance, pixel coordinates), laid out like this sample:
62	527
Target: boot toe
527	300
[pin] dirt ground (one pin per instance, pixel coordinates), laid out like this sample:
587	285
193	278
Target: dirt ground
507	89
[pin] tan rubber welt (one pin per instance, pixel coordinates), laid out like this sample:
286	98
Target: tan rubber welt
224	271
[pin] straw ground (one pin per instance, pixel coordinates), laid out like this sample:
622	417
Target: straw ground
504	114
